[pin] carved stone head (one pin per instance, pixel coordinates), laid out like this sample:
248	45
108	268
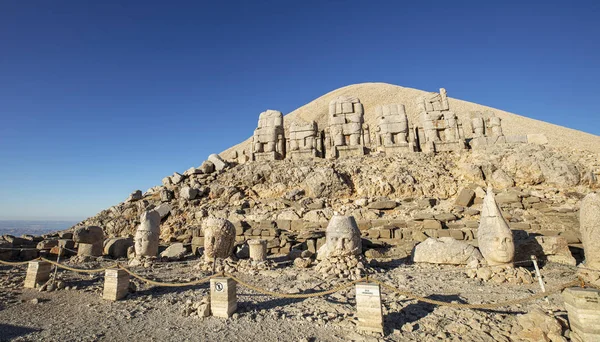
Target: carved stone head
219	237
494	236
343	237
148	234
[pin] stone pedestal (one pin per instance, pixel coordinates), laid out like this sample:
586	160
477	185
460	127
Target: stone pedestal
116	284
223	298
258	250
302	154
368	307
89	249
583	307
267	156
399	148
38	272
348	151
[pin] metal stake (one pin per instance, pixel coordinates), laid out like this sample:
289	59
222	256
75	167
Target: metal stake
539	276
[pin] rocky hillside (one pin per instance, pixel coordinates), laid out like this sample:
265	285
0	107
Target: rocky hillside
539	188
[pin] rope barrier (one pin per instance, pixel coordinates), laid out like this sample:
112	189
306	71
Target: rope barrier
16	263
294	295
167	284
79	270
478	306
314	294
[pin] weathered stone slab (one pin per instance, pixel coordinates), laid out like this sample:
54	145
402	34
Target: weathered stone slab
368	307
223	297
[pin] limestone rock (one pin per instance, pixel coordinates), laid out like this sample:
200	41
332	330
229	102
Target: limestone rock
465	198
502	180
207	167
166	195
537	326
176	178
589	218
163	210
217	161
117	247
445	250
494	235
175	251
188	193
91	234
134	196
383	205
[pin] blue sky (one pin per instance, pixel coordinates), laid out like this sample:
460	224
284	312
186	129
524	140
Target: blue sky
99	98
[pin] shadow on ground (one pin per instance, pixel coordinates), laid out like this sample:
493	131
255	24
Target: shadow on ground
13	331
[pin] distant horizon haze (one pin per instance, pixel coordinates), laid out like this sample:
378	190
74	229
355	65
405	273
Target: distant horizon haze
98	99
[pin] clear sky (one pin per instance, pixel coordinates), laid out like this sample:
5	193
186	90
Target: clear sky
99	98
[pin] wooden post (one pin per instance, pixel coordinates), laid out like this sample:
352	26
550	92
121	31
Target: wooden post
223	298
368	307
38	272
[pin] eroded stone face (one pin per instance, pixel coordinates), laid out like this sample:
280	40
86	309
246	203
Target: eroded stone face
219	237
342	238
589	220
494	236
148	234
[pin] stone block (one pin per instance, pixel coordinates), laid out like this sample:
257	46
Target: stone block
445	217
383	205
386	233
432	224
457	234
364	225
38	272
368	307
284	224
583	308
116	284
223	297
465	198
89	249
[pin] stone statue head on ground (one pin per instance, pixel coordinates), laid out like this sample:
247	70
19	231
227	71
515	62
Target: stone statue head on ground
342	237
494	236
148	234
219	237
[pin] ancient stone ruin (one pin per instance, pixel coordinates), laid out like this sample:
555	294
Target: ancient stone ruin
304	141
268	142
486	129
441	130
147	235
393	133
219	237
494	235
347	134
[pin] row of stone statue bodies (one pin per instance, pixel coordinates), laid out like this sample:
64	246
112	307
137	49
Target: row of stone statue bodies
348	135
343	238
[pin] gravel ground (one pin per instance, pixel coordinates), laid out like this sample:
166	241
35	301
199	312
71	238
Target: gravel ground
78	313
